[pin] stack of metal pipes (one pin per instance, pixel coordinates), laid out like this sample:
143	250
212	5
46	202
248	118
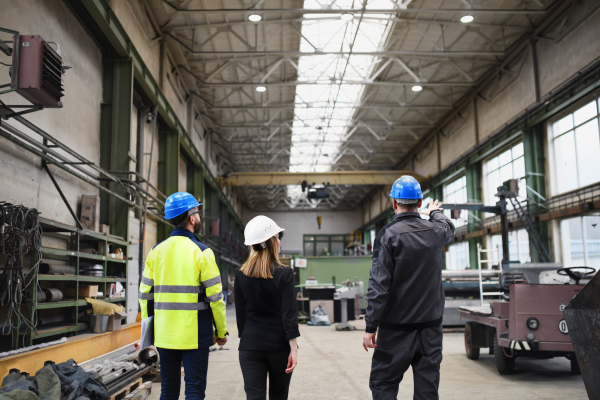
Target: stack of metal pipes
124	366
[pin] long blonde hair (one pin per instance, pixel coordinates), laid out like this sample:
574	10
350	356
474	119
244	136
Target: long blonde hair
260	263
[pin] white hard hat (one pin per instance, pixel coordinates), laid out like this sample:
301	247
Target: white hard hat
260	229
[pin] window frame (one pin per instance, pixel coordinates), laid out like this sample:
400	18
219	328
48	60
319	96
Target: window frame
549	145
485	172
445	194
319	238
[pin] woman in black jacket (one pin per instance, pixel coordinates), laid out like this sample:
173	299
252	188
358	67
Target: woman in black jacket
266	311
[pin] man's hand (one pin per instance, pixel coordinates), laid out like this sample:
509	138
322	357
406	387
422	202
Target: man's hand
221	342
369	341
433	205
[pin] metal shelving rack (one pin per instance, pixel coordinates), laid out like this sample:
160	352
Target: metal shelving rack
73	254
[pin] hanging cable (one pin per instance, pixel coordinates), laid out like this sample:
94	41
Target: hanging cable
20	236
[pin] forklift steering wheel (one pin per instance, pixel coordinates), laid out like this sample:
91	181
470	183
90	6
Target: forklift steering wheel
576	276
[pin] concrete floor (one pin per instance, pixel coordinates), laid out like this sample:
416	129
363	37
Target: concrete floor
333	365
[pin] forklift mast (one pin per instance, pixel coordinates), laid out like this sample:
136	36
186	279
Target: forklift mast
508	191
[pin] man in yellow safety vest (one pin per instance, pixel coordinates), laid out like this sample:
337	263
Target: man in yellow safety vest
181	287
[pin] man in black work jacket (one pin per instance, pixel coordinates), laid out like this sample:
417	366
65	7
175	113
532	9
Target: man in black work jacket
406	295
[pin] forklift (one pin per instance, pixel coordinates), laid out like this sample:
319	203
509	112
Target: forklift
529	320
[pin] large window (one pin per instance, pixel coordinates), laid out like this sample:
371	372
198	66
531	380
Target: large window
456	192
325	245
518	245
509	164
576	141
457	256
581	241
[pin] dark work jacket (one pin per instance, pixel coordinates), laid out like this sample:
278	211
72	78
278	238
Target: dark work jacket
266	311
405	288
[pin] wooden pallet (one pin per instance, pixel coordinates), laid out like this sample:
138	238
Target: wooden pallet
126	390
141	392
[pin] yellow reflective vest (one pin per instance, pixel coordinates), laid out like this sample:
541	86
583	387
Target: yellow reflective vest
181	287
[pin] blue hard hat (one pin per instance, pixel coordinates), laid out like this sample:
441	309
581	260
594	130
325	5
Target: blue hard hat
178	203
406	187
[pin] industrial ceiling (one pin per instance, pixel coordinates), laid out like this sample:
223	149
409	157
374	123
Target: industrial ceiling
334	85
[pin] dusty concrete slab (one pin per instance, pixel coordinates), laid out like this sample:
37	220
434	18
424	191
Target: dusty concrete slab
333	365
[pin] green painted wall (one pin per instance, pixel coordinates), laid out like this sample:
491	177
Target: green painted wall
323	268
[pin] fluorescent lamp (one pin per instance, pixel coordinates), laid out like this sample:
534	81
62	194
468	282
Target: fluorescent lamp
465	19
254	17
415	88
261	89
347	17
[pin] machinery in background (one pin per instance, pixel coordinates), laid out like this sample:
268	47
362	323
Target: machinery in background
315	192
530	323
344	294
342	303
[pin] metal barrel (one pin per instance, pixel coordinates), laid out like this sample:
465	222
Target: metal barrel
40	296
49	269
53	294
148	356
582	315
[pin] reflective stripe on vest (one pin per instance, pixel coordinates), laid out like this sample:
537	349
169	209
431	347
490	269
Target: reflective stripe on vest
178	289
212	281
146	296
214	297
180	306
147	281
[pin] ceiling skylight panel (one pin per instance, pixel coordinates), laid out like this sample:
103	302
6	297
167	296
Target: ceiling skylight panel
331	86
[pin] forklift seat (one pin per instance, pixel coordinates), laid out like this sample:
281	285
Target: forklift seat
509	278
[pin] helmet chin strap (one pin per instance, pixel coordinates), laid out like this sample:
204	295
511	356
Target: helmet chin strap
259	246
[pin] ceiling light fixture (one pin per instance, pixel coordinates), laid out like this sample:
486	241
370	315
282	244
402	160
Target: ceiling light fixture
389	128
261	89
347	17
415	88
465	19
254	17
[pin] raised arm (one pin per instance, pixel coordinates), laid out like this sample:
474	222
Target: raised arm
437	216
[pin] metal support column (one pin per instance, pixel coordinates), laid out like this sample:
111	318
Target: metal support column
195	185
168	170
115	131
118	214
533	146
474	194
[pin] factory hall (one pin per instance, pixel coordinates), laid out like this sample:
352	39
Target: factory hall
299	199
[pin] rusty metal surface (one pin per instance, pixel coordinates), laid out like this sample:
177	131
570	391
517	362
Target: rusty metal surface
545	303
583	319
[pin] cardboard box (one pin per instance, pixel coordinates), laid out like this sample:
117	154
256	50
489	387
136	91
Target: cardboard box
84	291
90	212
114	321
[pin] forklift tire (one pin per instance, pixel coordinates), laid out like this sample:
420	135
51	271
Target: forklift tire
472	352
504	364
574	366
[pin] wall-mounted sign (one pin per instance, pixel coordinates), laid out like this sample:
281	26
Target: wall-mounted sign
301	262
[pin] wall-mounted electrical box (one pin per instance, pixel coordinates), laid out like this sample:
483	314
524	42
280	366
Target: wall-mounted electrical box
40	71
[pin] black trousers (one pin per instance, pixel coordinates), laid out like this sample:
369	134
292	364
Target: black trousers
256	365
396	351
